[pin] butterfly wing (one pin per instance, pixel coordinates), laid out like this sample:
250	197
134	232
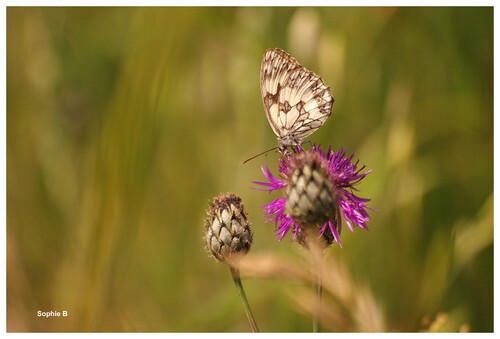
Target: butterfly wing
307	103
275	68
297	101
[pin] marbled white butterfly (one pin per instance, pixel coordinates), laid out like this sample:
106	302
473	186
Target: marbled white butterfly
297	101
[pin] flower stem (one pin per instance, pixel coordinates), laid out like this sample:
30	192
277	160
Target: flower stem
237	281
319	290
316	247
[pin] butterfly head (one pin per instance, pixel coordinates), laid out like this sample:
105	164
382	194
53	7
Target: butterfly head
288	141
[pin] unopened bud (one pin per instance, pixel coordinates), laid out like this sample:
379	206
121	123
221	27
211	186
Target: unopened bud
227	228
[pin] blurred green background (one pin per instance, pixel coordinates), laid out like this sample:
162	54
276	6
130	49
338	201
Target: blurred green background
124	122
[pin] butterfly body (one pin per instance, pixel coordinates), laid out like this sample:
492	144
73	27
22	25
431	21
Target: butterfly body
297	101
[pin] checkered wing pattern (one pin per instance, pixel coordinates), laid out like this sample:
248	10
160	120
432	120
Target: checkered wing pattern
296	100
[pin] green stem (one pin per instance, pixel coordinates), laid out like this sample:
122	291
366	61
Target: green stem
237	281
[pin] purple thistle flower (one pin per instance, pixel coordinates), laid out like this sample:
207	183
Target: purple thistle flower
319	190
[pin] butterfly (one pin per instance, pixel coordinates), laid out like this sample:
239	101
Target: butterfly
296	100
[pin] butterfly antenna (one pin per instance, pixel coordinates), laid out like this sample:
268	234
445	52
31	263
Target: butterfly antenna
258	155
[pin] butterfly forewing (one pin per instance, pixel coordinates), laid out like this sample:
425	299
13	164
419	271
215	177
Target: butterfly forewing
297	101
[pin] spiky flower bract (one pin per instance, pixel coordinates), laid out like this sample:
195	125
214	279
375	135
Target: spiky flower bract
319	189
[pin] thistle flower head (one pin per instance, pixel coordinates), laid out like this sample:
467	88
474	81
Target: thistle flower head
227	228
318	192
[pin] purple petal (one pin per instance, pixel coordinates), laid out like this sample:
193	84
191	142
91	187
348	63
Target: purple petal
330	226
273	184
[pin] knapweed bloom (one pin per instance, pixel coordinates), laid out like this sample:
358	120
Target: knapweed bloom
227	229
318	191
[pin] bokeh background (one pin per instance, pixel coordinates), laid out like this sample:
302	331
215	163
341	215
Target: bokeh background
124	122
